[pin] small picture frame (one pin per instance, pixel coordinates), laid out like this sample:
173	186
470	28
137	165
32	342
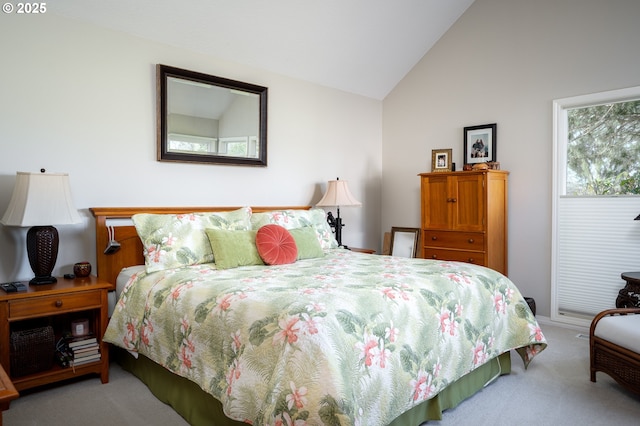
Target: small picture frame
79	327
441	160
480	143
404	241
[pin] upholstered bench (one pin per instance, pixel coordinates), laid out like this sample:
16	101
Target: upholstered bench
614	341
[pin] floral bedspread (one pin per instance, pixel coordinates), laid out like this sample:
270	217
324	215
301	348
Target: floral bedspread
348	339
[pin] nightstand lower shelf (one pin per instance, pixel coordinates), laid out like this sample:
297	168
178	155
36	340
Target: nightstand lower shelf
58	373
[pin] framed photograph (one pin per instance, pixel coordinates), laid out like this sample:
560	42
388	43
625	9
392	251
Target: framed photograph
480	144
441	160
404	241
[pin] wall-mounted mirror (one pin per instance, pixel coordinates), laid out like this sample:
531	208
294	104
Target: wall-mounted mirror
208	119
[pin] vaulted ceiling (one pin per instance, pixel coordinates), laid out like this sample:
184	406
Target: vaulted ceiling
359	46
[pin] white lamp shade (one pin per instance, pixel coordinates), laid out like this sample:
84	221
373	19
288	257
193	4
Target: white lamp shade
338	194
41	199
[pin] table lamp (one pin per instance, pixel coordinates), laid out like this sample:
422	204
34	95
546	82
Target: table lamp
39	201
337	195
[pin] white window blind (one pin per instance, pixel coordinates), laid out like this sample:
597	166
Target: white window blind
597	240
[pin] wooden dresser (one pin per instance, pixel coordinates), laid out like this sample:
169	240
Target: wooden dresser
464	217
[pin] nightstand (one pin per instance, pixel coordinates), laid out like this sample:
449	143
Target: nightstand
362	250
55	305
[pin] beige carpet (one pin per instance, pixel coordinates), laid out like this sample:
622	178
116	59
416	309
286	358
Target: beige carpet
555	390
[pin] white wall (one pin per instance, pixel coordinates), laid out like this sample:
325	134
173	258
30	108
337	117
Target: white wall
504	61
81	99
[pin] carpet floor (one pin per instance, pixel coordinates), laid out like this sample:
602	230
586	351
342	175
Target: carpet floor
554	390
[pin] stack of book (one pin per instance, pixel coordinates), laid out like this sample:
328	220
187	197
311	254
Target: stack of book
83	350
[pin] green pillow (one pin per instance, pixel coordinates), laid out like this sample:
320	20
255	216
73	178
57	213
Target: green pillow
307	242
233	248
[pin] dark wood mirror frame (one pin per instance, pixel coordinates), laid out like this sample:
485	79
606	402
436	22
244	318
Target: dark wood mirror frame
163	73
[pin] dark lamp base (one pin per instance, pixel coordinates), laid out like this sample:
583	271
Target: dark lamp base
43	280
42	249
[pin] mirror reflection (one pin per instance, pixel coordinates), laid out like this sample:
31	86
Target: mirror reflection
210	119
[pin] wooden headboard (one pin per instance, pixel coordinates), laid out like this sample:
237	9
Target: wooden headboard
131	252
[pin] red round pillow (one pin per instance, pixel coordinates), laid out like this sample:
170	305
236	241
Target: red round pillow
276	245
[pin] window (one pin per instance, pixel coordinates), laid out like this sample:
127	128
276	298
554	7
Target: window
596	179
239	146
603	149
189	143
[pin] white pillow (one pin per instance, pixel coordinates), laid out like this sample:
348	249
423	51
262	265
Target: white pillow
177	240
293	219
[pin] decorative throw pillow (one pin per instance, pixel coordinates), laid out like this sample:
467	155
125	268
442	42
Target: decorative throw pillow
291	219
275	245
177	240
233	248
307	243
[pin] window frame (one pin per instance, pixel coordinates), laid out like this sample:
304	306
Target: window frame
559	185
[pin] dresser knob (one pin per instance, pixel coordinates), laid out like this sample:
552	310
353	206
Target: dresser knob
470	260
58	303
434	256
434	238
470	240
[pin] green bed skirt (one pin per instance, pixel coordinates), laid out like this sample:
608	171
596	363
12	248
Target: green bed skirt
201	409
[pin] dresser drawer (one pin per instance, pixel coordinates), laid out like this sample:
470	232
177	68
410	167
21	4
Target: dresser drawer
455	240
475	257
51	305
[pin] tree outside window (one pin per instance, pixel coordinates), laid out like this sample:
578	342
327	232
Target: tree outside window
603	149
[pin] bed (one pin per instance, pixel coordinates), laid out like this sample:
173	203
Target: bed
332	337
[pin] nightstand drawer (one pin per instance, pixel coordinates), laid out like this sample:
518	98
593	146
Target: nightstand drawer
51	305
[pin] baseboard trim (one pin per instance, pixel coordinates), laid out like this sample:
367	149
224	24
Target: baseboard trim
542	320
